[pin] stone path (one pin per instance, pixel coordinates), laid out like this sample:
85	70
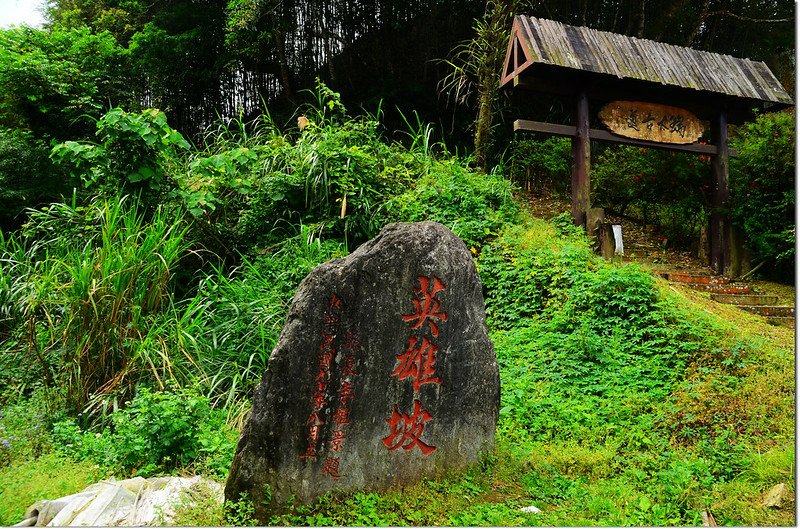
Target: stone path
741	294
644	246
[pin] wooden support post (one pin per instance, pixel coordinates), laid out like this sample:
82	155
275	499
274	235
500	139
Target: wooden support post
719	227
581	153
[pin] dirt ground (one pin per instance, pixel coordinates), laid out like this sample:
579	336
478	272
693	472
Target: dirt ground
641	243
643	246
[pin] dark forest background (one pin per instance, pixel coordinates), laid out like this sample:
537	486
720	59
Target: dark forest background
409	62
199	59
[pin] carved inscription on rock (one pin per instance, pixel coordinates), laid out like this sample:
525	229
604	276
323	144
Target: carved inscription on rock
383	375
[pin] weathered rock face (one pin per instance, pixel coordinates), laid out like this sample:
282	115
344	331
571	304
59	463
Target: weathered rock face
383	374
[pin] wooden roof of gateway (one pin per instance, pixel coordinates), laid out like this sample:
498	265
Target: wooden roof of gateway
548	53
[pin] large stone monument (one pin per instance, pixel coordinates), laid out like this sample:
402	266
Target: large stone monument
383	375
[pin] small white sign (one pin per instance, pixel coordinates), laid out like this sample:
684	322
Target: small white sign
619	249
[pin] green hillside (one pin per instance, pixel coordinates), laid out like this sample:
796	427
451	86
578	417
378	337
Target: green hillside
136	322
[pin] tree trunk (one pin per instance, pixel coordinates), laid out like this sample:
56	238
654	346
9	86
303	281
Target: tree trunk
286	74
483	126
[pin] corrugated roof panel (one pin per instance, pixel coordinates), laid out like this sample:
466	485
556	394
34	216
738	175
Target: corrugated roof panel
549	43
695	78
714	72
531	40
581	47
649	66
754	72
720	73
770	80
535	38
748	84
605	53
662	62
571	56
773	82
612	53
683	67
628	57
710	79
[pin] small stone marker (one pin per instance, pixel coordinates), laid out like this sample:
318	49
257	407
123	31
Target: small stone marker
383	375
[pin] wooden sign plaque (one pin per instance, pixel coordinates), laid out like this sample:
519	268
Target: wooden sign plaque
651	121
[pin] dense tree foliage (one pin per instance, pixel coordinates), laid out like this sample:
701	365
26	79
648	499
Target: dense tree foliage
51	81
196	59
52	85
199	59
763	190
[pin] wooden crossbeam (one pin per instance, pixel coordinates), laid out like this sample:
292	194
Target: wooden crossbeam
604	135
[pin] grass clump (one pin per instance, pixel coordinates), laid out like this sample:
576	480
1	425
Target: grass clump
156	432
49	476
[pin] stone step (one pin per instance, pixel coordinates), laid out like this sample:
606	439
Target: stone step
689	277
720	289
744	299
782	321
777	311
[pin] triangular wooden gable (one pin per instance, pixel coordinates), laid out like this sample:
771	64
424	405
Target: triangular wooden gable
518	56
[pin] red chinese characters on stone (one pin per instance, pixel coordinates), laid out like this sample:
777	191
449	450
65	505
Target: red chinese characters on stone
349	366
341	416
310	453
346	393
327	342
426	307
406	430
319	398
336	303
331	467
418	362
352	341
336	442
330	413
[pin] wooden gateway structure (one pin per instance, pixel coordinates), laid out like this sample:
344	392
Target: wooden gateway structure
648	94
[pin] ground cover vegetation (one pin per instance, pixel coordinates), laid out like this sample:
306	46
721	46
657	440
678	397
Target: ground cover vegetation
130	347
148	257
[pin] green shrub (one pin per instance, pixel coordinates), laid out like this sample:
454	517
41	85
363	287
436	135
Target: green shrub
87	289
521	280
763	190
253	184
671	190
611	297
156	432
135	154
475	206
541	165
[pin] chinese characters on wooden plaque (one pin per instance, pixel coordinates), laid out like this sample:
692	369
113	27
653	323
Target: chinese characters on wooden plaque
651	121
